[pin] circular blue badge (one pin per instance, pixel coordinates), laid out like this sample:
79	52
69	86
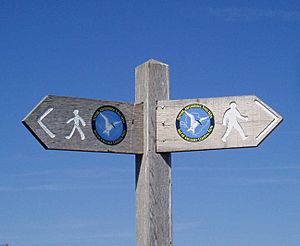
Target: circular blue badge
195	122
109	125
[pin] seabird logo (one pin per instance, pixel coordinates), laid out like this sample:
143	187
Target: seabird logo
195	122
109	125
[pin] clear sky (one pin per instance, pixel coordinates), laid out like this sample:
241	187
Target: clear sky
240	197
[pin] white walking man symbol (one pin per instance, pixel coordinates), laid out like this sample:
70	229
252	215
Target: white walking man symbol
77	120
230	120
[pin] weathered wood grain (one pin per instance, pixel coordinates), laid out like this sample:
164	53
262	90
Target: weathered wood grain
153	170
258	113
63	108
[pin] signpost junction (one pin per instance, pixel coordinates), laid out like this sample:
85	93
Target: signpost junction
151	128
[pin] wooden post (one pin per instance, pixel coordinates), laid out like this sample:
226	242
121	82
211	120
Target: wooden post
153	170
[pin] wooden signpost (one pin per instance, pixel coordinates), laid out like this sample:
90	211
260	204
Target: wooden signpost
151	128
237	122
49	123
153	170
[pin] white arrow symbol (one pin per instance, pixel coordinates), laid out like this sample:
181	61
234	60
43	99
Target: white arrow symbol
42	124
271	124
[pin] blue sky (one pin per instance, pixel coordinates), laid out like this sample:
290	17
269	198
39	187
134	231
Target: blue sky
240	197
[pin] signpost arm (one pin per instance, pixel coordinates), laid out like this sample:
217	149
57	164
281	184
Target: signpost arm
153	170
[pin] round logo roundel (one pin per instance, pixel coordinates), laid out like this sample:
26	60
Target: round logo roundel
195	122
109	125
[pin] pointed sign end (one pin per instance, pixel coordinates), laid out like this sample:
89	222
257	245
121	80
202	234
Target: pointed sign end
24	122
275	121
29	121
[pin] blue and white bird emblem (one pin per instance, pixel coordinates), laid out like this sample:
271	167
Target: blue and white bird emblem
109	125
195	122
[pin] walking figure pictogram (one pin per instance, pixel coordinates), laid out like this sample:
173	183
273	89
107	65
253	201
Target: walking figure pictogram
77	120
230	120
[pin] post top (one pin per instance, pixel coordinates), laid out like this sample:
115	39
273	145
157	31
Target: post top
153	61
